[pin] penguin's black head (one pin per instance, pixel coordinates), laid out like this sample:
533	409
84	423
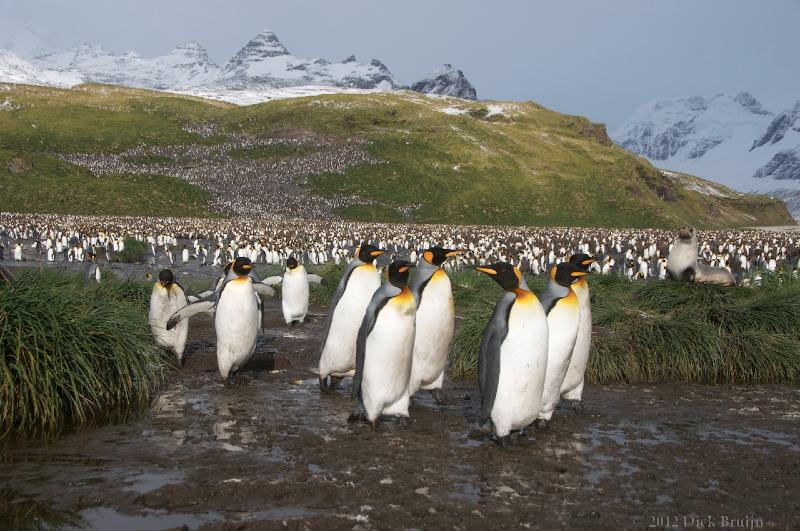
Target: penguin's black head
242	266
367	253
582	260
398	273
437	255
227	267
166	278
291	262
686	233
567	273
505	274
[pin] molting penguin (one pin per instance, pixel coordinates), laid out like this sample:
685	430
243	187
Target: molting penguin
294	293
167	298
384	349
682	263
359	282
513	357
435	322
563	317
572	387
236	319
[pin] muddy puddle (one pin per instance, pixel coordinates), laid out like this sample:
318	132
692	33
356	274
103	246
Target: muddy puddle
271	452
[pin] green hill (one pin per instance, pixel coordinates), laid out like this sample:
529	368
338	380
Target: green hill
433	160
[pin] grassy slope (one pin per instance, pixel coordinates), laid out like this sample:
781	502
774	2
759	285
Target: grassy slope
530	166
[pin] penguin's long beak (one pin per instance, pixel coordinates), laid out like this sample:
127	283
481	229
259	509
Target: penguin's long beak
377	253
579	273
247	267
454	252
487	270
588	261
404	269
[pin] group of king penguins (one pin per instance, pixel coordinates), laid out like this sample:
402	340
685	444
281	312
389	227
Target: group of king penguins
393	338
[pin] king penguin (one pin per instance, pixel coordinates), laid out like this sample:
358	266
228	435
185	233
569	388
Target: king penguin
359	282
167	298
384	349
572	388
433	293
513	357
294	292
236	318
563	317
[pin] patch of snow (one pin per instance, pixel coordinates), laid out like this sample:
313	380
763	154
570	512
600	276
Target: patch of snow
453	111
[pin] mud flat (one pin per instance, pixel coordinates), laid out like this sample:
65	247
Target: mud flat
271	452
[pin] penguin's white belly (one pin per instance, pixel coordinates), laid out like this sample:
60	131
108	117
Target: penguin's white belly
563	325
237	324
435	321
162	306
339	353
387	362
523	364
295	297
572	388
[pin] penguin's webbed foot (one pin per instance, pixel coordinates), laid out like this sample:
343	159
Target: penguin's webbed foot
399	420
481	431
356	416
439	397
507	441
541	424
334	382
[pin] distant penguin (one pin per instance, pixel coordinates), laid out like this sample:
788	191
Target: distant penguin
167	298
572	387
563	318
513	357
435	322
236	319
359	282
294	290
384	349
682	263
91	271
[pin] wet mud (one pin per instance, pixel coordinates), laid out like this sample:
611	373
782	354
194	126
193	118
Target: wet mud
273	452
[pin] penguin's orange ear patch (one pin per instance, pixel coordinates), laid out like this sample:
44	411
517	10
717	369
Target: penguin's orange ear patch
428	256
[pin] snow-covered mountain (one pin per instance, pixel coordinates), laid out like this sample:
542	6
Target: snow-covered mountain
15	69
730	139
446	81
261	68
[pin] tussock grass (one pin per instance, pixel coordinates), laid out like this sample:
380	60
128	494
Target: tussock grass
134	251
71	353
664	331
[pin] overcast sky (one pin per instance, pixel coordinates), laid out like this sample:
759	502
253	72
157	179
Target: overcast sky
599	58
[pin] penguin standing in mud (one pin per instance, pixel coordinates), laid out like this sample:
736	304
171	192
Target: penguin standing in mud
167	298
572	387
359	282
435	322
682	263
384	349
563	318
513	357
294	292
236	319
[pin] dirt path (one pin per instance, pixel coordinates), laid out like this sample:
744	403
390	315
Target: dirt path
271	453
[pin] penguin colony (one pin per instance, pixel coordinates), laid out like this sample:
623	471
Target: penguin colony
635	254
393	337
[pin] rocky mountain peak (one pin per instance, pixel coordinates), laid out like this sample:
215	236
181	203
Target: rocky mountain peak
788	120
749	102
446	81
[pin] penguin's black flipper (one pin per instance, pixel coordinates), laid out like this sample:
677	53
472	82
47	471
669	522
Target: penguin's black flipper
263	289
489	357
379	300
